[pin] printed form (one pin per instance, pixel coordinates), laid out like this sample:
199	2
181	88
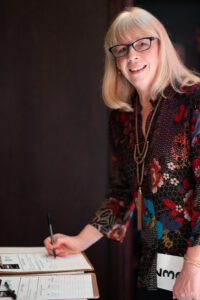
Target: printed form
50	287
41	262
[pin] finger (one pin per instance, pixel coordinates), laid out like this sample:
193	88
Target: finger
183	297
180	297
47	241
58	235
50	252
50	246
62	253
189	298
60	241
65	252
188	295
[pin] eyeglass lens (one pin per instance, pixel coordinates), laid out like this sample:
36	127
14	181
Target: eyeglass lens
140	45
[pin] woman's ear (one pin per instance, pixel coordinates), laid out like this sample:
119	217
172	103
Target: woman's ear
119	72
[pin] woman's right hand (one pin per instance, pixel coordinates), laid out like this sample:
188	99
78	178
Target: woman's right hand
65	244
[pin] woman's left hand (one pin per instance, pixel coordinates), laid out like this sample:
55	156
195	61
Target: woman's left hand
187	285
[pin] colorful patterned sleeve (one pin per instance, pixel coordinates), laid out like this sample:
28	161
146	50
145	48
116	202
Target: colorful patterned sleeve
113	216
195	158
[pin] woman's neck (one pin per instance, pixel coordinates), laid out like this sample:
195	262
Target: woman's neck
144	97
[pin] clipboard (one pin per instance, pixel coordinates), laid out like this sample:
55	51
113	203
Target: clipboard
34	287
81	277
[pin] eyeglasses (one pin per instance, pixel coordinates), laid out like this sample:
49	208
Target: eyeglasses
140	45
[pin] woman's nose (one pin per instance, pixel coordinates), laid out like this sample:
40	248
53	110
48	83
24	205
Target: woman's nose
132	53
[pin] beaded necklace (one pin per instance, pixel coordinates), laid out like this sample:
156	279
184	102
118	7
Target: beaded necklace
139	158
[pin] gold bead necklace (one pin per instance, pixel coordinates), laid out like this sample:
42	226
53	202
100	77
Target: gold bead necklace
139	158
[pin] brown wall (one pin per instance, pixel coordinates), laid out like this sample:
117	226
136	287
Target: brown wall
53	123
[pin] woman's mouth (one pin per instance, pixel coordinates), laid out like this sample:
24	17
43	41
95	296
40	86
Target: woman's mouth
138	69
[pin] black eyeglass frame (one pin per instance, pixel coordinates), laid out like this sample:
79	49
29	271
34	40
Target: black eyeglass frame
151	38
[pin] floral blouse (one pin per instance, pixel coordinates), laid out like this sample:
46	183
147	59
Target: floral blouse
171	186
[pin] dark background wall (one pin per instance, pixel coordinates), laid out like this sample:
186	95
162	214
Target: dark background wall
53	123
181	18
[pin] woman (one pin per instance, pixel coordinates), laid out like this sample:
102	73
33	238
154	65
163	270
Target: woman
155	143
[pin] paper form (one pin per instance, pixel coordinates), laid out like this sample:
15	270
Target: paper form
60	278
48	287
41	262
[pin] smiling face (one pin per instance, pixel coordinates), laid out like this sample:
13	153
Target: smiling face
139	68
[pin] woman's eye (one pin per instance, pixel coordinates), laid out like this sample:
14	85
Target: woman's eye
122	49
143	44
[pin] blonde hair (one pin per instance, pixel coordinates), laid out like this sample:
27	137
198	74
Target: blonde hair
116	89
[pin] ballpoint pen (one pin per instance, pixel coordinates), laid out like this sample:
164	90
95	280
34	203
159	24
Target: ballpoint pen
11	292
51	233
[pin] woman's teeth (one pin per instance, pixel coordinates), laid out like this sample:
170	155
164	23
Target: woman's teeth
137	69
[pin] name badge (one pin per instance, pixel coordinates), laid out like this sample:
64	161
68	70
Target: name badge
168	268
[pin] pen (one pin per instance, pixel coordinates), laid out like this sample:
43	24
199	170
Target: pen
11	292
51	233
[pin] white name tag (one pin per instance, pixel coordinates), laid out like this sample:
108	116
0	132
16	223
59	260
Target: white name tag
168	268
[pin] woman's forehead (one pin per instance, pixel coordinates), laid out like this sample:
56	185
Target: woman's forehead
130	36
